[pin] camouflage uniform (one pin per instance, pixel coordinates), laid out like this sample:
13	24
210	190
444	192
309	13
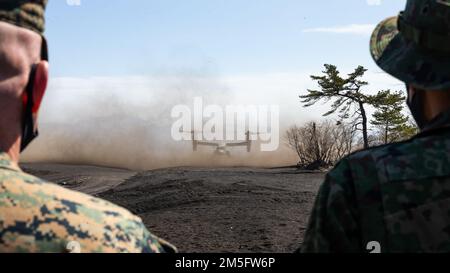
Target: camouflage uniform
36	216
396	195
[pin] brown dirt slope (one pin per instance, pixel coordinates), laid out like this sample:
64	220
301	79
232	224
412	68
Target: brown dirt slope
205	209
222	210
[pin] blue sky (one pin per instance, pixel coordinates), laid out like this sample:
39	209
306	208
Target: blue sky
218	37
119	61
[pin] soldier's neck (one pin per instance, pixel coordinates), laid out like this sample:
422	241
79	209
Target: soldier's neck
436	103
12	149
10	133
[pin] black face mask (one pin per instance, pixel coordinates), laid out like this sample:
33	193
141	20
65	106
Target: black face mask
415	105
29	130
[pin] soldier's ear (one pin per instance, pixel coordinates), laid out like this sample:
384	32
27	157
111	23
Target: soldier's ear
40	82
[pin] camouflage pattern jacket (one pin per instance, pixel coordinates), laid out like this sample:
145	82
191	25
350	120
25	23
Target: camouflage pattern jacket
36	216
395	197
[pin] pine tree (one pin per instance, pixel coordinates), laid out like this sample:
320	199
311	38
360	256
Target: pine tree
347	96
389	117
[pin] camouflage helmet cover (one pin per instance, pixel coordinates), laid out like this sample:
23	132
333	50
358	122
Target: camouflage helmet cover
24	13
414	47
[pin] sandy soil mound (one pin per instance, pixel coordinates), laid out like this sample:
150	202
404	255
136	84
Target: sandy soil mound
222	210
88	179
205	209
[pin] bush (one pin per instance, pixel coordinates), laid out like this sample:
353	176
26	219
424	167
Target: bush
320	146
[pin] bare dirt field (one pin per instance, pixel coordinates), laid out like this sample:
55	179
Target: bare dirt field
236	210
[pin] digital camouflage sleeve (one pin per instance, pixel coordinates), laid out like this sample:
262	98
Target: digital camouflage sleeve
396	196
36	216
334	224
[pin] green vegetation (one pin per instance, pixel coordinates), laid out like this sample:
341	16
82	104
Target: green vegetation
324	144
348	99
351	104
392	125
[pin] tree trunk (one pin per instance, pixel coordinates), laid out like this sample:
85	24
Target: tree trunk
364	124
386	134
316	142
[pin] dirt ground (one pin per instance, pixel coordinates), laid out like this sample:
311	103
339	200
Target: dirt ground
226	210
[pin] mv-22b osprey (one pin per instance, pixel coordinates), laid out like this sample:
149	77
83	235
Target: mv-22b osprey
221	148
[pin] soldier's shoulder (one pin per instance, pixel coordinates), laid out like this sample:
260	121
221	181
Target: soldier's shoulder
47	191
364	164
61	214
392	148
430	142
421	156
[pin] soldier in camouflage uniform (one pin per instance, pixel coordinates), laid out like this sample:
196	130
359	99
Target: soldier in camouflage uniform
36	216
396	198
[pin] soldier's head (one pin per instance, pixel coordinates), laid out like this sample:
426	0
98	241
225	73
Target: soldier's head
23	72
414	47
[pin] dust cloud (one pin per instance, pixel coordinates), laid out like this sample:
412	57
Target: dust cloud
126	123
